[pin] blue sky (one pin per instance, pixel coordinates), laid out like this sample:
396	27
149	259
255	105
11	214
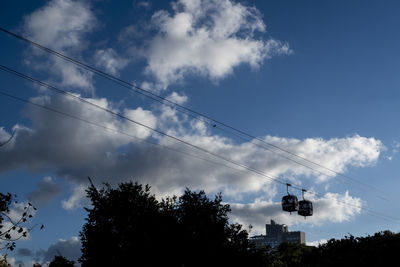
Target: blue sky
319	79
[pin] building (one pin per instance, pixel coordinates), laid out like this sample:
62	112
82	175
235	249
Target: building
275	234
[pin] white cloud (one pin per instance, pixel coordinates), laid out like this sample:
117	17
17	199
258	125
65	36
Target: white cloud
208	38
336	154
109	60
64	142
76	199
62	26
75	150
177	98
142	116
329	208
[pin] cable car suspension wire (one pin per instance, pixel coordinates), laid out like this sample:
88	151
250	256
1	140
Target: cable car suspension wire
190	112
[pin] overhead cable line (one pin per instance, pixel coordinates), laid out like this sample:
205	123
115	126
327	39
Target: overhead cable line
197	115
189	111
149	128
8	140
259	173
47	108
63	92
60	91
75	97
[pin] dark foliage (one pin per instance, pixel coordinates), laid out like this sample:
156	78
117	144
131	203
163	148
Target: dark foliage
128	224
377	250
5	201
60	261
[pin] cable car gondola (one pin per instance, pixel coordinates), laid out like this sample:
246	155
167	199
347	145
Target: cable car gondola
305	206
290	202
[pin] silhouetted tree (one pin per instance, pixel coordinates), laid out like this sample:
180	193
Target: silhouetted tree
123	224
207	237
290	255
128	224
378	250
60	261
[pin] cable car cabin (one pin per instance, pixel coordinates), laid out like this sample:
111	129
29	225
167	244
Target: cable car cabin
305	208
290	203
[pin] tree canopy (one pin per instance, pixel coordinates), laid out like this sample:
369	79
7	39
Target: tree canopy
379	249
128	224
60	261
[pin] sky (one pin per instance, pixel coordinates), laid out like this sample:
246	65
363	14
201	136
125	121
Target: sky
316	79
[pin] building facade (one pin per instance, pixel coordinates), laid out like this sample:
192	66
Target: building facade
275	234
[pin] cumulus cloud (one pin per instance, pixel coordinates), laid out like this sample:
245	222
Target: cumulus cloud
61	25
177	98
331	207
60	141
75	150
335	154
109	60
76	199
45	192
208	38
